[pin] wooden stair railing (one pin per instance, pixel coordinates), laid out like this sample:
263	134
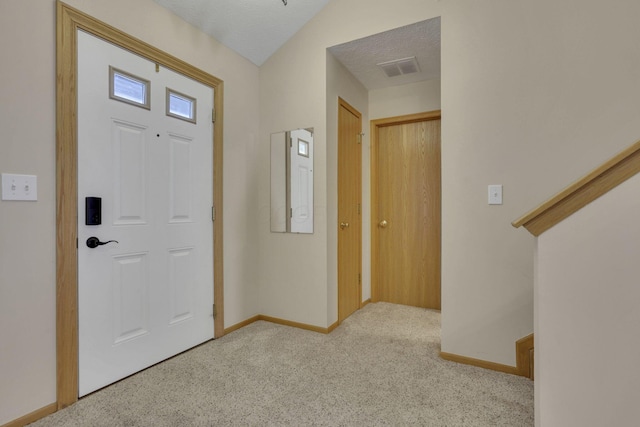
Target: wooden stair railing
612	173
577	195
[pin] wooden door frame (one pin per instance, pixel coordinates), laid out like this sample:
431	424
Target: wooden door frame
375	126
355	112
69	21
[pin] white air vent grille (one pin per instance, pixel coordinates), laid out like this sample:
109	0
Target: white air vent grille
399	67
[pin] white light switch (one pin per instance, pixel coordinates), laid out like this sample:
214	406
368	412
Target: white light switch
19	187
495	194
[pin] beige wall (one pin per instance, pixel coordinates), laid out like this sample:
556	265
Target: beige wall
519	99
587	315
293	266
488	86
27	229
532	98
296	86
405	99
533	95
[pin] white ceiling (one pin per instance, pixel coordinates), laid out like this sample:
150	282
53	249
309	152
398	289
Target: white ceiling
256	29
253	28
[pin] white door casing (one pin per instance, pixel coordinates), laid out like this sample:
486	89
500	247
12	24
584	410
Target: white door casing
149	296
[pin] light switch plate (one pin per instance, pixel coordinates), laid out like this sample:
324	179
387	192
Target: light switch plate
495	194
19	187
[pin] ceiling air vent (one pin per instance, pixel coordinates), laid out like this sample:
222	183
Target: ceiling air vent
399	67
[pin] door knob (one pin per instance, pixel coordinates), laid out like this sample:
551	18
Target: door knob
94	242
344	225
383	223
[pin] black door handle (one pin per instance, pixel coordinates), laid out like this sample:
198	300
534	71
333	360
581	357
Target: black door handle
94	242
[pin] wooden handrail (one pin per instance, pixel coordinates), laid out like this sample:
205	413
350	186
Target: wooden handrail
606	177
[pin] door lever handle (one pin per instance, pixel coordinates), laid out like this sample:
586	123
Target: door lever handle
94	242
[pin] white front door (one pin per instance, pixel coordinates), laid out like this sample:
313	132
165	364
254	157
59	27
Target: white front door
149	294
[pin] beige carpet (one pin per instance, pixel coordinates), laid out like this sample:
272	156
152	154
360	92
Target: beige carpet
379	368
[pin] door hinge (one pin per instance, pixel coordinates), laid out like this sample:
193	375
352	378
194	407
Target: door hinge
359	278
360	135
290	142
358	208
215	311
213	115
213	213
290	212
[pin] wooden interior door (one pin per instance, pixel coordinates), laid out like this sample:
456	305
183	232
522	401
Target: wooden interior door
406	218
349	210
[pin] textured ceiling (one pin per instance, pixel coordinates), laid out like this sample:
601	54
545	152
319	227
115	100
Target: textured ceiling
253	28
421	40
